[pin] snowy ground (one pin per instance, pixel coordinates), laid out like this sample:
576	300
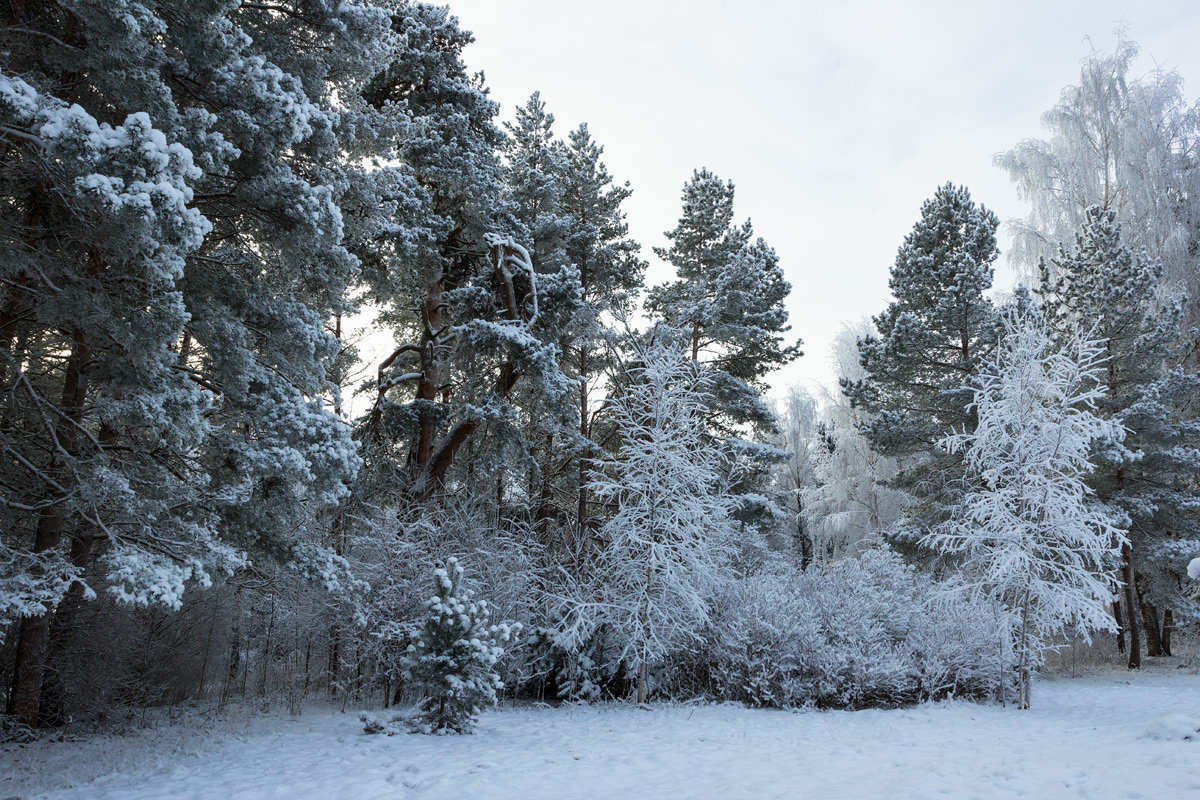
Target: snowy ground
1112	736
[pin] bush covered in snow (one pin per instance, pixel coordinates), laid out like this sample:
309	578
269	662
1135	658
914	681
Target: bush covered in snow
859	632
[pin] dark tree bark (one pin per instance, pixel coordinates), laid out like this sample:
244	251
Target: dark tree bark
1167	628
33	635
1151	626
1131	608
1116	610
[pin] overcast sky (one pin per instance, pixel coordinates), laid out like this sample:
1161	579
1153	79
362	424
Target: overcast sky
834	119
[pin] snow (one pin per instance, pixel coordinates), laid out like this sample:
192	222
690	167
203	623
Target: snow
1119	735
1193	569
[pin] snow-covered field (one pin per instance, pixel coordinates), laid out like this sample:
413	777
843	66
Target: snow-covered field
1113	736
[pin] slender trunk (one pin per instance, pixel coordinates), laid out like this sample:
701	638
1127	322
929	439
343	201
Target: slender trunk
543	506
1026	677
212	627
585	464
18	297
1131	605
1167	627
1116	610
645	615
235	650
334	657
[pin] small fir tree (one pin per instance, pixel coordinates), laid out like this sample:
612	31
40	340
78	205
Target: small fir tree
452	657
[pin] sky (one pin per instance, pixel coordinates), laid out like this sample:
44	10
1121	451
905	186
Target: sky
835	120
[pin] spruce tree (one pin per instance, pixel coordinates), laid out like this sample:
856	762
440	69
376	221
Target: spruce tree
1101	284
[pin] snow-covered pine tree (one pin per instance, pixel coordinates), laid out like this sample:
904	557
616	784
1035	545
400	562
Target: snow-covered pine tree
462	297
668	543
534	167
931	339
175	247
1028	534
611	274
1100	282
451	658
729	298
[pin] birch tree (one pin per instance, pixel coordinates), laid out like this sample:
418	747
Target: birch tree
1029	537
667	545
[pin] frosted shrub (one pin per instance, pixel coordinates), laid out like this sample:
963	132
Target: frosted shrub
855	633
452	657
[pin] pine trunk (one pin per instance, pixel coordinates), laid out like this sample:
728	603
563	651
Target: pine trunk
33	635
1151	625
1168	626
1131	608
427	384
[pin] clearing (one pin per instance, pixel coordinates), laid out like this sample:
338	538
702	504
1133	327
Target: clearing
1112	736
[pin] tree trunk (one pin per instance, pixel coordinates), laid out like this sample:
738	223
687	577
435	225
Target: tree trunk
543	504
1026	677
581	512
1131	608
334	657
53	702
1151	626
33	636
427	384
1116	609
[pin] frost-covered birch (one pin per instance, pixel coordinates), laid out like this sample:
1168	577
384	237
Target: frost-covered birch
668	543
1030	537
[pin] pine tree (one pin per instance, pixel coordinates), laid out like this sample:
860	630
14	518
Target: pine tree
931	339
174	247
535	165
462	297
452	657
729	296
1150	476
611	274
1028	535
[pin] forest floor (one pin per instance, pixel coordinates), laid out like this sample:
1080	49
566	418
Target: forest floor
1109	735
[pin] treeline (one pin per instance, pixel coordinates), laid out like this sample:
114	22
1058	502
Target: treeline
199	198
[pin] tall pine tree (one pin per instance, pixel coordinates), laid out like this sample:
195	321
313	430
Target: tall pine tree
931	339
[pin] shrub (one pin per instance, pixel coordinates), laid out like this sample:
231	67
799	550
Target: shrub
859	632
